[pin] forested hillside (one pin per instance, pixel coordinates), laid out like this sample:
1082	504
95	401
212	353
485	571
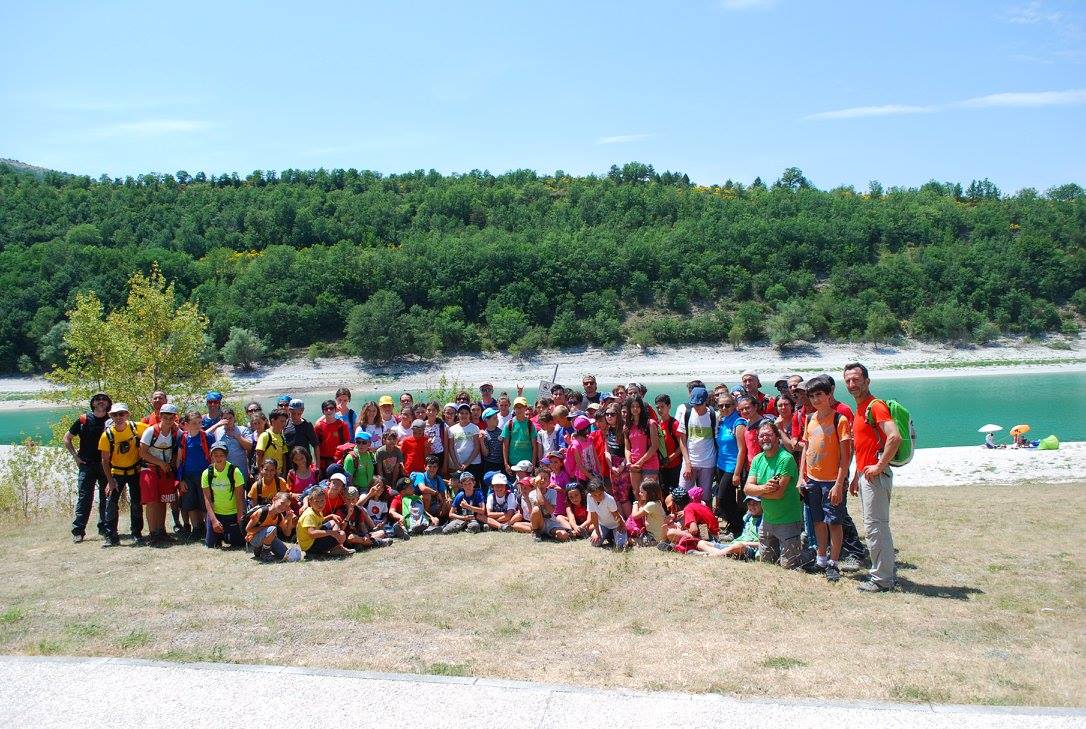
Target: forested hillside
423	262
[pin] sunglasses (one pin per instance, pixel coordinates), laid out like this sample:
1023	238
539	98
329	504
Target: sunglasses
254	410
612	415
329	409
727	405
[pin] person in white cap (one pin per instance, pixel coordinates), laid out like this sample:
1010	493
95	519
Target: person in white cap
119	446
158	482
752	384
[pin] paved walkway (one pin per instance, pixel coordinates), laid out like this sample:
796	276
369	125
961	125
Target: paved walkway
105	692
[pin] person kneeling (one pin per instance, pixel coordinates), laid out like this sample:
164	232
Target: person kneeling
267	524
317	535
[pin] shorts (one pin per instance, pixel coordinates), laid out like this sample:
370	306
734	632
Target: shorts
157	487
551	526
193	498
818	501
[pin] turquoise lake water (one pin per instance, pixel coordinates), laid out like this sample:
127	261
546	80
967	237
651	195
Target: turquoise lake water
946	410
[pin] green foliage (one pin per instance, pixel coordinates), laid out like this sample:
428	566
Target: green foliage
242	349
881	323
788	324
287	254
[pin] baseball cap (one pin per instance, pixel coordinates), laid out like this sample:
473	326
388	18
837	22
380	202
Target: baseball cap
781	384
463	406
418	423
362	435
524	481
219	446
168	408
341	477
499	478
461	475
283	399
698	396
754	498
525	466
385	400
213	396
296	404
581	423
520	401
696	493
489	413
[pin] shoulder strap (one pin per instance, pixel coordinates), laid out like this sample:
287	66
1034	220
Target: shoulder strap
83	419
210	472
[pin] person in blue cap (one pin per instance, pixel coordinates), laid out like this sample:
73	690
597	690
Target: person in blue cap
492	442
697	428
214	410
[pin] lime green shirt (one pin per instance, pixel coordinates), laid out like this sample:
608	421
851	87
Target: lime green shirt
788	509
223	499
359	468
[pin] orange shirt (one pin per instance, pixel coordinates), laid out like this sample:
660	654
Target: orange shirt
867	439
824	445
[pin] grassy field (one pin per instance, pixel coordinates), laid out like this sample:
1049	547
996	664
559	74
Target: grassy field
992	608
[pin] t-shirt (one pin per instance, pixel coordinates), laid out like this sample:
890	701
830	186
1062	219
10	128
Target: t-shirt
436	435
867	439
222	489
195	459
350	418
234	452
125	453
751	525
551	495
274	446
799	418
727	447
640	442
463	437
549	442
671	443
359	468
419	478
264	518
414	453
298	483
700	439
161	446
460	507
654	519
503	420
207	421
331	436
493	440
823	446
385	461
696	512
587	451
502	504
378	511
604	510
89	434
520	434
267	491
301	434
310	519
787	509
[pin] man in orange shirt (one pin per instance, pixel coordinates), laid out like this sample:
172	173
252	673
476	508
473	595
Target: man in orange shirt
873	480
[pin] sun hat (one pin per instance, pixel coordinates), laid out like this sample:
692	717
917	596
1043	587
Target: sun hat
385	400
499	479
341	477
213	396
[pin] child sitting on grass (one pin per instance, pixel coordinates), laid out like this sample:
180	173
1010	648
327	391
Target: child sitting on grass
409	505
745	545
315	534
646	523
608	527
354	520
543	500
468	511
501	504
580	524
266	527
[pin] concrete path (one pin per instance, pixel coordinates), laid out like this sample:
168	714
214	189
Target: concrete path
105	692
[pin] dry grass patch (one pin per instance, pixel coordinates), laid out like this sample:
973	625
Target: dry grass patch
992	609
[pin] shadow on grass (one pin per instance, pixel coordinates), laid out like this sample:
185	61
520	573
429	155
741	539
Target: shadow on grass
946	592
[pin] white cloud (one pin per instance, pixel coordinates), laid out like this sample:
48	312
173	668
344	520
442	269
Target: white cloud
1027	99
747	4
1020	100
1033	12
114	105
856	112
152	128
623	138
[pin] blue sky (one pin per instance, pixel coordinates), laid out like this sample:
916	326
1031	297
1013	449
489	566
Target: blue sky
848	91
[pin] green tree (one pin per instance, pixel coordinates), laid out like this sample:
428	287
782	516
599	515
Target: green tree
150	343
51	349
242	349
881	324
789	324
379	329
505	326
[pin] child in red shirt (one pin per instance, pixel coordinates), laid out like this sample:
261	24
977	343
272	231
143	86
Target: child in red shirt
415	448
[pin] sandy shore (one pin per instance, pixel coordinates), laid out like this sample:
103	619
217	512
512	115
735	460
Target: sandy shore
660	364
956	466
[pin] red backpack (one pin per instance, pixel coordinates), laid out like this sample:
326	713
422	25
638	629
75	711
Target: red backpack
183	446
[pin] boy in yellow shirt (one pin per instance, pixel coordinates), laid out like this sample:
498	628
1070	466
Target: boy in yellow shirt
317	536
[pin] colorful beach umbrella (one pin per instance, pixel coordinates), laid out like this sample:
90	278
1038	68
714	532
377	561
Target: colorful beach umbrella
1019	429
990	428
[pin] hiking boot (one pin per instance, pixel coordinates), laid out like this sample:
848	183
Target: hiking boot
340	551
474	527
850	563
182	531
664	546
832	573
432	530
77	538
869	586
399	531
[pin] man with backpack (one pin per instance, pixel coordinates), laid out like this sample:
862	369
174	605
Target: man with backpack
697	439
88	427
876	437
193	458
120	449
671	455
158	485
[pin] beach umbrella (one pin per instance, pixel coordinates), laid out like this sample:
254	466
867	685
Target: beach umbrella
1019	429
991	428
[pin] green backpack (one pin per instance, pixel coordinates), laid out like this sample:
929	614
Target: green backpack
904	421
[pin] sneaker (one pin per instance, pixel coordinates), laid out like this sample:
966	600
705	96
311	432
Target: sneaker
849	563
869	586
832	573
111	542
382	542
340	551
474	527
537	537
506	528
399	531
139	541
294	554
166	538
664	546
432	530
182	531
486	528
77	538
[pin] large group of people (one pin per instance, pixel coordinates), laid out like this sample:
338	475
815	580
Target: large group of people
732	472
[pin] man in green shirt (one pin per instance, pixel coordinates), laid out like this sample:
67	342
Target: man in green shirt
773	476
224	499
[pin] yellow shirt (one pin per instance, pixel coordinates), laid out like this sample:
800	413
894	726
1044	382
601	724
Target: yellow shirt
125	452
267	491
223	488
310	519
274	445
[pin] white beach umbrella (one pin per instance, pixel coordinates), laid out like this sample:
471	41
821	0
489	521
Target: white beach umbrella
990	428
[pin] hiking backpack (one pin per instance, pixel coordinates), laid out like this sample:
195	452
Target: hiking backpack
904	421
